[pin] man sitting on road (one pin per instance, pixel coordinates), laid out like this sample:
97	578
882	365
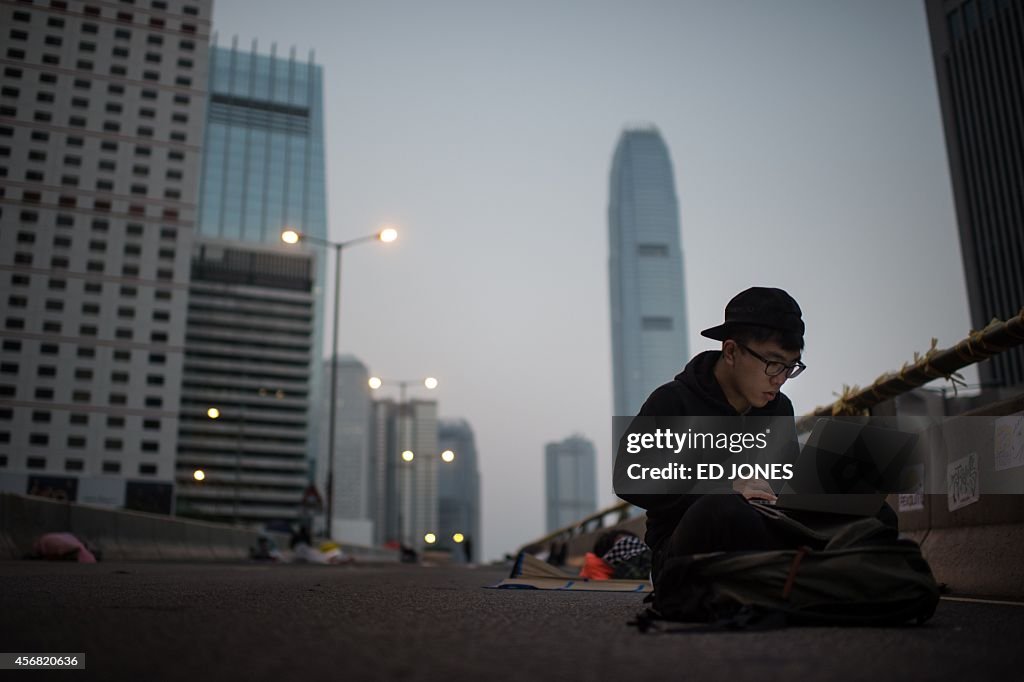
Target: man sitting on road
762	341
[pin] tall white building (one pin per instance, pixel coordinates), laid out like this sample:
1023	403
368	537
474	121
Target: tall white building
405	494
101	121
645	270
570	481
353	519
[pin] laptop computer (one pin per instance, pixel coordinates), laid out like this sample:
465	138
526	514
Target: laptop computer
848	468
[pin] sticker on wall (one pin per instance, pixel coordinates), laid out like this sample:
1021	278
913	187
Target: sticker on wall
1009	442
962	482
912	480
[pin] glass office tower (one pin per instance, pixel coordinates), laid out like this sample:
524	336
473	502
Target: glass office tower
263	166
648	306
263	159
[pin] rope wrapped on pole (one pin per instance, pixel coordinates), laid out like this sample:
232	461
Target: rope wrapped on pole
996	337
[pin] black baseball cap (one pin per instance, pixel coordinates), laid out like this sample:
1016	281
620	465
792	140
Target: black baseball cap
761	307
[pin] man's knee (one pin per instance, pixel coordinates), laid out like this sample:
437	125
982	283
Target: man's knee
888	516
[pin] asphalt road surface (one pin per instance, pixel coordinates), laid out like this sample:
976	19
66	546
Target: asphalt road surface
195	622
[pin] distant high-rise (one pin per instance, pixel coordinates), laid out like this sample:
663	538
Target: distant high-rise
648	305
404	500
570	481
352	480
458	487
101	122
247	347
977	47
263	168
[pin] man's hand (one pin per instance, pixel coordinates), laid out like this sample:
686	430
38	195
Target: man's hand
754	489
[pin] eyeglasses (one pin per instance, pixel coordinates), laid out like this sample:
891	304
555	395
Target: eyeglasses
774	367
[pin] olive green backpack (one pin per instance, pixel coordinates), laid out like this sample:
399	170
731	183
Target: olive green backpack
857	573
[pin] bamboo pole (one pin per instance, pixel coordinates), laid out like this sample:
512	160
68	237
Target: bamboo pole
998	336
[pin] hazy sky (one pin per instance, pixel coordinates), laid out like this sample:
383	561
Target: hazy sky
808	152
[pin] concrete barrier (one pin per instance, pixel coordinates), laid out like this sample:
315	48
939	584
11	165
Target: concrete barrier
197	538
122	535
983	560
92	526
26	518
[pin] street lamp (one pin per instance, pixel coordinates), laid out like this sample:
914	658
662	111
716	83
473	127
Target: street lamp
289	236
408	456
404	477
199	475
429	383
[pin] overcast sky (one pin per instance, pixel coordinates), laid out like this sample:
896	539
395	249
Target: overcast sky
808	152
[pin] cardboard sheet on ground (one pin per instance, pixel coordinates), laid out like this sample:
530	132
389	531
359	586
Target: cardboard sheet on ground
530	573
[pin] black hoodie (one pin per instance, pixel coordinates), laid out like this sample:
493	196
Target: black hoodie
693	393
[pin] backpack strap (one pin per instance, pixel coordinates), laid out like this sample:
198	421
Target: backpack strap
793	568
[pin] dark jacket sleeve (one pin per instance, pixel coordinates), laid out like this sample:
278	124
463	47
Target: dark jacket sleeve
663	402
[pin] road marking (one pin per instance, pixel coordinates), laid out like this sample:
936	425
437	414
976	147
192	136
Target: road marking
984	601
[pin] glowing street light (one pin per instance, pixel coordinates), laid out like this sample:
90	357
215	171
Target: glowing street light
199	474
375	382
405	490
291	236
458	537
448	456
213	413
430	538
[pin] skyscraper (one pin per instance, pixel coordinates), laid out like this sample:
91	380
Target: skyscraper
263	158
570	481
263	166
405	491
977	47
353	520
645	270
101	121
458	487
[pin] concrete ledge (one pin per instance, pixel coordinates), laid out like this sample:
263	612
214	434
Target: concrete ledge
25	518
978	560
94	526
121	535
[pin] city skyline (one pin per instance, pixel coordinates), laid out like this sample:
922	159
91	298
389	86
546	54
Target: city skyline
809	155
